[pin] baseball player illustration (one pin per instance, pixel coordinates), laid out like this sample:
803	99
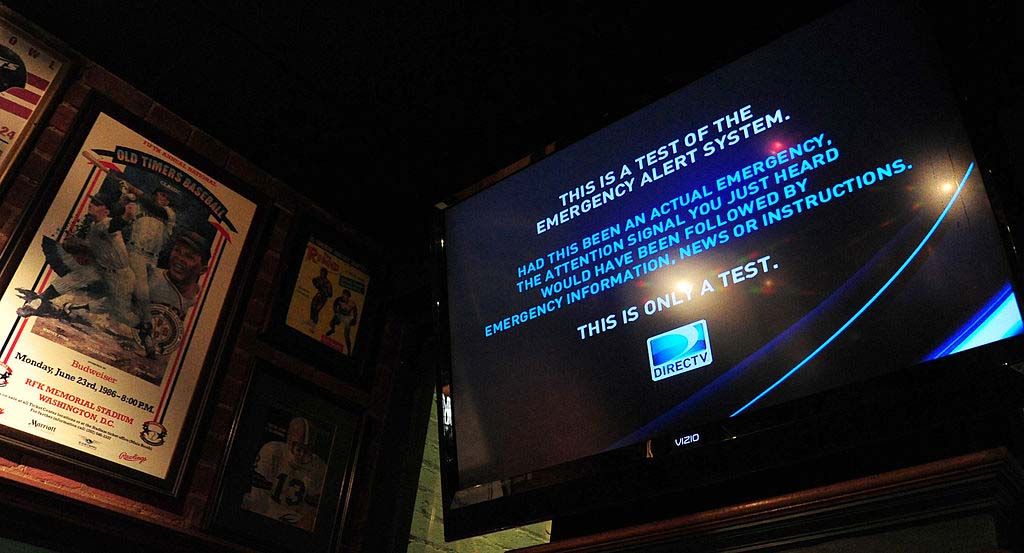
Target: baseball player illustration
37	306
174	290
346	313
287	478
178	284
105	262
162	196
145	226
324	291
148	227
126	274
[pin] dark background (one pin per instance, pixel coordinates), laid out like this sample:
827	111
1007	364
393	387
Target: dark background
377	112
380	111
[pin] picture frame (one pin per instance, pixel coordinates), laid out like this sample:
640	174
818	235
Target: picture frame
31	74
100	367
288	438
323	312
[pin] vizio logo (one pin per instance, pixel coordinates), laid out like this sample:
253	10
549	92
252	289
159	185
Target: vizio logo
679	350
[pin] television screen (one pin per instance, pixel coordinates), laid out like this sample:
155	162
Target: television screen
807	217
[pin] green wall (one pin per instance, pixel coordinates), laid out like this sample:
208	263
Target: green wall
8	546
427	532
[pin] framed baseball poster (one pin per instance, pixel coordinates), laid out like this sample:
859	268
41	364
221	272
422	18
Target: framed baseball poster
290	463
30	74
116	300
321	312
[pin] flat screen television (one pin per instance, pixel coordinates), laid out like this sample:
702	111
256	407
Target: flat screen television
794	255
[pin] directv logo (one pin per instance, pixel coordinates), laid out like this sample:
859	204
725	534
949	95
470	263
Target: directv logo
679	350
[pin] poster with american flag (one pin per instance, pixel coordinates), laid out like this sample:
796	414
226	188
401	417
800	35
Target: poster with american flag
30	75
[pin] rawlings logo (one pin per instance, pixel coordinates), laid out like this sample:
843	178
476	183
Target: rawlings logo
132	457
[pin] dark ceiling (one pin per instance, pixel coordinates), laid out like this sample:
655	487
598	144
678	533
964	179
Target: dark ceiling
378	112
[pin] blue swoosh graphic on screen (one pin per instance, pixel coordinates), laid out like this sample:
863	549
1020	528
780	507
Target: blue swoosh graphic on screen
659	423
998	319
871	301
810	318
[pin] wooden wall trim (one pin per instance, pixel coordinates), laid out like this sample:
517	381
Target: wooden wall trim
989	481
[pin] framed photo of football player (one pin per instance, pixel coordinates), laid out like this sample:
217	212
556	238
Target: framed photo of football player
116	298
287	478
322	312
30	75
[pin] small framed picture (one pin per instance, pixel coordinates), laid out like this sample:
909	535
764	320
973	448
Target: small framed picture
287	478
30	74
322	312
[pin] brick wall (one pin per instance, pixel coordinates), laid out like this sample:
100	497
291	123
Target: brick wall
22	470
